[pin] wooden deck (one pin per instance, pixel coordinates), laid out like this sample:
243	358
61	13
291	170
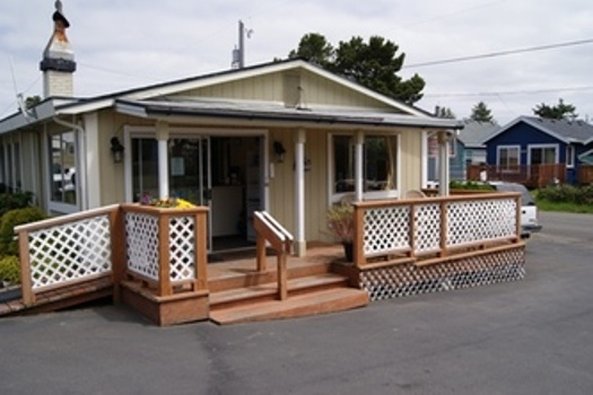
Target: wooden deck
237	291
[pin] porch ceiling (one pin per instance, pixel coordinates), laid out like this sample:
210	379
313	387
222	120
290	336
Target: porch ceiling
276	112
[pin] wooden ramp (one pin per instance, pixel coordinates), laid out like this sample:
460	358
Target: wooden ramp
241	294
60	298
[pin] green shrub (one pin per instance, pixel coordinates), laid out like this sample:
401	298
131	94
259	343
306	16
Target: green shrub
12	201
10	269
8	244
567	194
471	185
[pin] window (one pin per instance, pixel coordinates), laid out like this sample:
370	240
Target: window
17	167
569	156
543	154
62	153
145	168
508	158
379	163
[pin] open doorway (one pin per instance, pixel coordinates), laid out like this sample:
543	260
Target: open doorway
237	190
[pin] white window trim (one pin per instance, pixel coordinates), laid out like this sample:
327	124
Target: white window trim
507	147
570	156
540	146
371	195
55	206
134	132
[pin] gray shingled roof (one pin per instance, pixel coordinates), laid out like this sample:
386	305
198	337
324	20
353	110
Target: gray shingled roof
475	133
579	131
564	130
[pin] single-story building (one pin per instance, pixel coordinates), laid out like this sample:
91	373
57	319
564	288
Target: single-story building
528	145
288	137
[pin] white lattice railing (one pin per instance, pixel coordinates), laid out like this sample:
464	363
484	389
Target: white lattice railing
434	226
65	250
166	247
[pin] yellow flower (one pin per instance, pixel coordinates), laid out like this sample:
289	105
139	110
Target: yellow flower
184	204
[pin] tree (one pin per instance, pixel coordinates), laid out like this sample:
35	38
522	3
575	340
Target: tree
444	112
559	111
374	64
314	48
481	113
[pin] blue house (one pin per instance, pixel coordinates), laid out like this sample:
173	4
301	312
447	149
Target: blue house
528	142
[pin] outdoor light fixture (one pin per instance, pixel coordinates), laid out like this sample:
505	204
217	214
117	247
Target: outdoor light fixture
117	150
279	151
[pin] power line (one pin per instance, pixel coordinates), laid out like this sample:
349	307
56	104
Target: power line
501	53
506	93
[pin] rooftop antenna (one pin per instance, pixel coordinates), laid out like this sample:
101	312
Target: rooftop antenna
239	53
20	101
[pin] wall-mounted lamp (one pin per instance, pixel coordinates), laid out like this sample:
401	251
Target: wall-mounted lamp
279	151
117	150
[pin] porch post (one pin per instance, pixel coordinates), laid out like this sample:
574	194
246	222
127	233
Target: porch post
443	163
358	166
300	244
162	135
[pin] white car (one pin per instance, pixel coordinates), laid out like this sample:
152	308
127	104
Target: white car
529	222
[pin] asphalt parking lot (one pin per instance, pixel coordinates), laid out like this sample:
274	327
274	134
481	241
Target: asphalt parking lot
533	336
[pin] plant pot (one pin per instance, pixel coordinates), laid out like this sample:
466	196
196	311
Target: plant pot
348	251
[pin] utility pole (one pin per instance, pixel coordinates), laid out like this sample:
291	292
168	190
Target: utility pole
239	53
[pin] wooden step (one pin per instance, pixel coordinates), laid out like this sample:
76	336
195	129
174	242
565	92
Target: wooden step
311	303
241	277
269	291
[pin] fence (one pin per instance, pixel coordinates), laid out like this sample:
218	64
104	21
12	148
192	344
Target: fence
433	230
533	176
166	248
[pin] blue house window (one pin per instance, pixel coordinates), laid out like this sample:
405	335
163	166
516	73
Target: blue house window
569	156
508	158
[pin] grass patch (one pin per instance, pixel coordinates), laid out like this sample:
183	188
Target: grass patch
565	207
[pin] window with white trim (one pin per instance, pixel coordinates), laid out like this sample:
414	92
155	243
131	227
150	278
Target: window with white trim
570	153
508	158
379	163
62	157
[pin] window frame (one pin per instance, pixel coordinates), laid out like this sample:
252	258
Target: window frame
335	197
570	156
506	168
57	206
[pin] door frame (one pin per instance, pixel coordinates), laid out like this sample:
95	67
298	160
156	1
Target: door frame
131	132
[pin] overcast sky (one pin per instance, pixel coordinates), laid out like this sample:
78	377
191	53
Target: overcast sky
121	44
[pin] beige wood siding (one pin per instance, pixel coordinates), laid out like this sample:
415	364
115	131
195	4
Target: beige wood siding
282	186
411	160
285	87
262	88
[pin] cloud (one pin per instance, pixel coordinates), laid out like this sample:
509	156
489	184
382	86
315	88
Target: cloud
121	44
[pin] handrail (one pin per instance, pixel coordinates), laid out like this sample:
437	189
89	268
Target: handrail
269	230
64	219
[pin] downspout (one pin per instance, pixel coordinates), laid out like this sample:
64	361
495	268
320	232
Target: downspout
81	188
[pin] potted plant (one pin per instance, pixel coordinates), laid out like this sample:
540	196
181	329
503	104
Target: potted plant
340	222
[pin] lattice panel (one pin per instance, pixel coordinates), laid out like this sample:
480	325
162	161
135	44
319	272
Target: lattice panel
386	229
69	252
480	220
142	244
408	279
428	227
182	248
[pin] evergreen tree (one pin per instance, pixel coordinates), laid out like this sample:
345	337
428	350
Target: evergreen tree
374	64
559	111
481	113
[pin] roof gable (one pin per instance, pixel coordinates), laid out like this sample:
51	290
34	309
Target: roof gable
563	130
